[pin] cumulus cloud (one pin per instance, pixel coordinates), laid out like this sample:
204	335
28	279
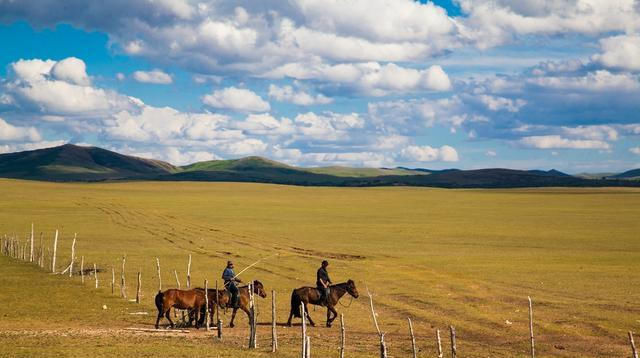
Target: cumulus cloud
59	88
236	99
558	142
299	97
414	153
9	132
635	150
621	52
155	76
369	78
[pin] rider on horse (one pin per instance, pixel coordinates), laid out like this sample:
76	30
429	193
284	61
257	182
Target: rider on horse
323	281
230	280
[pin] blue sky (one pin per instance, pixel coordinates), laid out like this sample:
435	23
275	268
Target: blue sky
452	83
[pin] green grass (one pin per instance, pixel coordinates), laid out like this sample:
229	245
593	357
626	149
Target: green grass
468	258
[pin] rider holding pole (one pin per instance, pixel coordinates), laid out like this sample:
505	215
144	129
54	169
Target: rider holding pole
323	281
230	280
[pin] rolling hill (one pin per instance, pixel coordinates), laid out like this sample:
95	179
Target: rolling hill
76	163
630	174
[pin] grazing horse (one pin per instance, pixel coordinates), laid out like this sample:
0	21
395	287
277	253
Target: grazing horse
223	298
191	300
311	295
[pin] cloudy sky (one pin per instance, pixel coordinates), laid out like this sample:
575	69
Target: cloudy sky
451	83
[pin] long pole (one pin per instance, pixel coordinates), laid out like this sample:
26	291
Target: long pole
159	277
274	334
206	302
633	345
55	249
82	269
413	339
123	287
139	287
189	272
95	274
440	353
73	254
454	349
533	344
342	335
304	331
177	280
31	253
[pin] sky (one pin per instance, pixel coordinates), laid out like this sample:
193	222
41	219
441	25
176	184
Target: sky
523	84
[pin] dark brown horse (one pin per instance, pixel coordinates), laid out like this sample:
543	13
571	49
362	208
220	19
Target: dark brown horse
191	300
311	295
223	299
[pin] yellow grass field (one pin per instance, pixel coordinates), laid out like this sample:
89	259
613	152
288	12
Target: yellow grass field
467	258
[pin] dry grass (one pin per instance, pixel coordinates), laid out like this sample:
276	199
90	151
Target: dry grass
462	257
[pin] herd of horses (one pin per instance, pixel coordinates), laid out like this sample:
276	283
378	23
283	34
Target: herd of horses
195	302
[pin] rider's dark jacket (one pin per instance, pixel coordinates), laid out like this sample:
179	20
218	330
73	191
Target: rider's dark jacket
322	275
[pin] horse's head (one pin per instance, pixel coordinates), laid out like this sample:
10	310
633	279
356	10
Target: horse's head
351	289
258	289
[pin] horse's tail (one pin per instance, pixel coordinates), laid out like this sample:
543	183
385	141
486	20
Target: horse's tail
159	301
295	304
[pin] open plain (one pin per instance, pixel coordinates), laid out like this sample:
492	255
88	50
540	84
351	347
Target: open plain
467	258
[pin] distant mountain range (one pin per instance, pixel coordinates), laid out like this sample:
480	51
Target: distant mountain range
76	163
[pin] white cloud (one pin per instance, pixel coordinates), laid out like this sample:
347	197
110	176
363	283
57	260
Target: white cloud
9	132
328	126
414	153
490	153
155	76
596	132
558	142
622	52
120	76
236	99
494	103
265	124
72	70
370	78
249	146
635	150
300	97
601	80
33	87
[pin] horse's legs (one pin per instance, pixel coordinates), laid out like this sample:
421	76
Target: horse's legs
290	316
168	316
306	311
233	316
330	319
160	314
196	311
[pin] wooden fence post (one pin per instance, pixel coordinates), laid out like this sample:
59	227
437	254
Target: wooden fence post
440	354
218	321
307	348
274	334
189	273
55	249
139	287
113	279
31	249
413	339
454	349
73	254
206	302
123	287
95	274
159	277
82	269
633	345
252	318
41	255
177	281
342	335
533	345
304	331
383	345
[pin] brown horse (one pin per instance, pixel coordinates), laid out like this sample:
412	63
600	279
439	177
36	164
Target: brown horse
311	295
191	300
223	299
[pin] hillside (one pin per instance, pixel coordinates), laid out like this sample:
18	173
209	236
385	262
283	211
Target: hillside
630	174
75	163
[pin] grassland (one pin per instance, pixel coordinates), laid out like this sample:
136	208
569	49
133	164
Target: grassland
468	258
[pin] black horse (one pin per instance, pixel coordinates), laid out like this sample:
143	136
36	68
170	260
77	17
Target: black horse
311	295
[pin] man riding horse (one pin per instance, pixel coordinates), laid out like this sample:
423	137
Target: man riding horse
230	280
323	281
